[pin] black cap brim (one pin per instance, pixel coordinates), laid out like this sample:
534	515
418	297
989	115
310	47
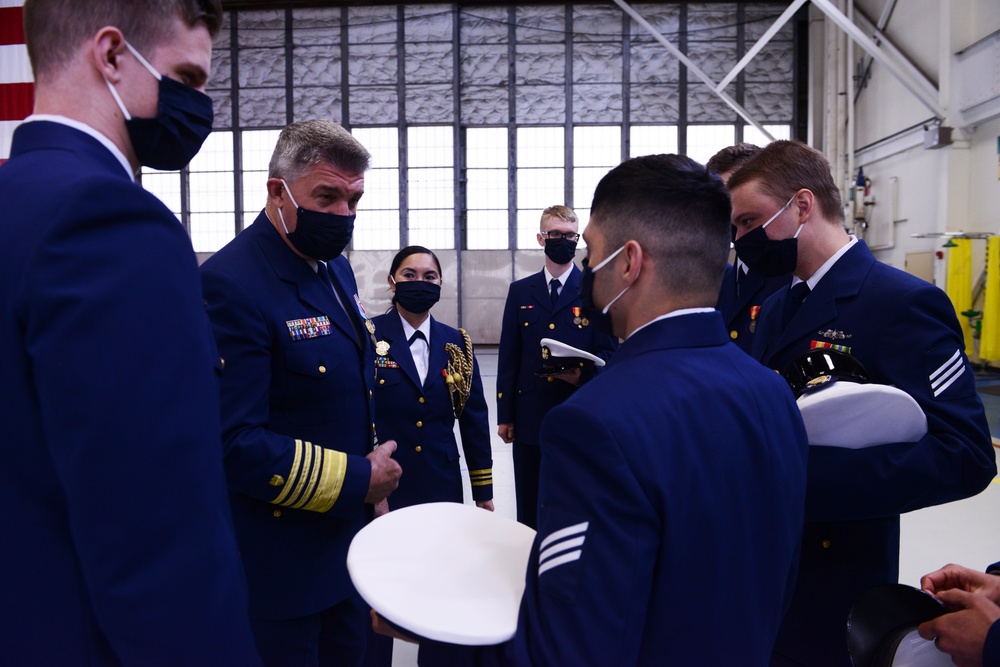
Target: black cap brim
881	617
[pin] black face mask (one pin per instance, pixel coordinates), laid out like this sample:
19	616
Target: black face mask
416	296
182	123
560	251
768	257
318	235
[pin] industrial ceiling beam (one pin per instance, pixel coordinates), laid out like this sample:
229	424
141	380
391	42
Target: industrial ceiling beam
897	64
658	36
760	44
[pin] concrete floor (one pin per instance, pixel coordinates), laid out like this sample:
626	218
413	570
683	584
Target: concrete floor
964	532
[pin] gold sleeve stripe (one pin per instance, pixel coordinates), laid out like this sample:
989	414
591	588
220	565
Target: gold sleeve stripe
292	474
330	483
313	478
301	477
481	477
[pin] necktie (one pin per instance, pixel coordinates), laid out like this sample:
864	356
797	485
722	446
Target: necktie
418	350
796	295
741	273
328	278
554	290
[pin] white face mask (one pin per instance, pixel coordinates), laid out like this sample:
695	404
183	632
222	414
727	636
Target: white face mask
600	266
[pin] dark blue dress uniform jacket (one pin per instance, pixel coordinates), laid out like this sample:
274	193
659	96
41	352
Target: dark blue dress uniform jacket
421	421
523	398
296	418
671	513
906	334
737	303
119	545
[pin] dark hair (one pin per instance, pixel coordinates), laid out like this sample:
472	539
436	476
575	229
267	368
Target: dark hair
731	157
678	211
54	29
411	250
406	252
782	168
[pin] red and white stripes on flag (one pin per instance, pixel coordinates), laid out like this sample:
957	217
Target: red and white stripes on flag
17	88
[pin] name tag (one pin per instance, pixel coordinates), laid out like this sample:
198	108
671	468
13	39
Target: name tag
309	327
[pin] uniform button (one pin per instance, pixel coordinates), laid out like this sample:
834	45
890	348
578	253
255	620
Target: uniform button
418	449
525	324
734	334
277	513
552	379
552	326
322	369
369	393
222	362
421	399
420	424
381	381
826	544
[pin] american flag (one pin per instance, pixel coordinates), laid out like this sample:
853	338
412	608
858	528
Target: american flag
17	88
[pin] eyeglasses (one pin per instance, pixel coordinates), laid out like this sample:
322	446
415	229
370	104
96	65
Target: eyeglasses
572	237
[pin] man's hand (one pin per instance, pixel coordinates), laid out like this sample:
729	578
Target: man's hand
385	473
380	626
962	633
382	508
506	432
485	504
964	579
571	376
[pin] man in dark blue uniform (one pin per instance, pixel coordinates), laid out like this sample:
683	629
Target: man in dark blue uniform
788	217
119	545
543	305
743	290
656	543
297	399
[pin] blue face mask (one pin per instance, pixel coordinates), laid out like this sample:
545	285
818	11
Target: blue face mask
769	257
599	316
318	235
416	296
183	121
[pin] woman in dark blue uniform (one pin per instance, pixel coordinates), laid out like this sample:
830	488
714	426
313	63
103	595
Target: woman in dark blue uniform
418	361
414	401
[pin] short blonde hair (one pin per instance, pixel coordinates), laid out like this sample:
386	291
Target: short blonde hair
558	211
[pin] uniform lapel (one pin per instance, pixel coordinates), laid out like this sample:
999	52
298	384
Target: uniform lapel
749	288
539	290
391	330
338	267
438	359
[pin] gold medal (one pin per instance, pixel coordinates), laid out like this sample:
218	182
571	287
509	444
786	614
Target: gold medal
753	326
585	322
382	348
370	326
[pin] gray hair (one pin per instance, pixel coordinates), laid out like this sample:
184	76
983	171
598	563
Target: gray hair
309	142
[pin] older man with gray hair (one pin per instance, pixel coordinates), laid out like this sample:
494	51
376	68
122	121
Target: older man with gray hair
302	457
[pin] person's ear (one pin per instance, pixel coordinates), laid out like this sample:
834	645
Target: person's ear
106	48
